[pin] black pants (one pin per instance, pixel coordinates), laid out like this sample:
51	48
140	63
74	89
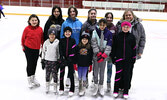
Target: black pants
123	76
1	12
32	58
70	75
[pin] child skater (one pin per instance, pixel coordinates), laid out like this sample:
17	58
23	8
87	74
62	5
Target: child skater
124	56
84	55
101	43
1	12
32	40
50	54
67	51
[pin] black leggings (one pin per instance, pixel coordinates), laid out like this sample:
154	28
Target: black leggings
51	68
70	74
1	12
32	58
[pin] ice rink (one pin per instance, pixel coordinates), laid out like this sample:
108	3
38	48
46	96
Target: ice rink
149	76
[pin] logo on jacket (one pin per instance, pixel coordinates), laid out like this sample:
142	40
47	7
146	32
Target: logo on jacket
83	51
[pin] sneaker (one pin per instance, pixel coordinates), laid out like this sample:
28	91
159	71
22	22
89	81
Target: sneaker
71	94
61	92
115	94
126	96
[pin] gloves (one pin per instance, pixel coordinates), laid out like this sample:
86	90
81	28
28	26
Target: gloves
43	63
103	56
90	68
99	54
75	67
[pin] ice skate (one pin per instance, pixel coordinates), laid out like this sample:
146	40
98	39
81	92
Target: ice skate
101	90
47	87
125	96
61	92
76	80
71	94
108	87
95	90
81	88
115	94
55	88
30	85
68	83
87	83
80	85
92	84
34	81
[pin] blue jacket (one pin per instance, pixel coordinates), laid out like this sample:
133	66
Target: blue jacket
76	28
1	7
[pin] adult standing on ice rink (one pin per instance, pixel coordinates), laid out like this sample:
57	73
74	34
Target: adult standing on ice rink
32	40
56	18
137	30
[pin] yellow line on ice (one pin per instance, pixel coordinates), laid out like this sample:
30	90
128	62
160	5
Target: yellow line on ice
22	14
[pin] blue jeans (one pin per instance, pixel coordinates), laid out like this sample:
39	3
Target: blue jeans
109	72
82	71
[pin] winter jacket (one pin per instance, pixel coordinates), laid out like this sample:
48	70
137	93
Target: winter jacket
124	47
139	33
96	38
88	25
83	56
1	7
112	28
76	28
32	37
48	24
67	49
50	50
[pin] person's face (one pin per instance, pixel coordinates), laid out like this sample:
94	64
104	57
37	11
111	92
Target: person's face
67	34
52	37
128	16
56	13
125	28
72	13
109	18
33	21
84	41
92	15
102	26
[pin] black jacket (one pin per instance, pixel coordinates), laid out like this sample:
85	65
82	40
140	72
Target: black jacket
124	47
84	56
48	24
67	49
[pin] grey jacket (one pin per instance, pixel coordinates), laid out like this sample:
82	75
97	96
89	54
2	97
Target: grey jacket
89	26
138	31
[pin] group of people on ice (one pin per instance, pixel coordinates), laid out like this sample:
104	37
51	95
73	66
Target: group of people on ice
83	48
